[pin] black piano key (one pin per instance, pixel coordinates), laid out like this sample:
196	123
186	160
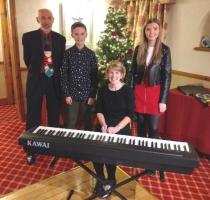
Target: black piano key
111	139
165	146
175	147
39	131
117	140
185	148
103	138
97	137
169	147
179	148
152	144
58	133
47	133
146	144
89	137
156	144
161	145
42	131
63	133
70	134
130	141
51	132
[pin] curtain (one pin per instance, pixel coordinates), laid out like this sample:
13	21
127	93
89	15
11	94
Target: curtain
138	11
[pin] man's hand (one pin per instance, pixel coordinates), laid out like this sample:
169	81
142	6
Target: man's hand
68	100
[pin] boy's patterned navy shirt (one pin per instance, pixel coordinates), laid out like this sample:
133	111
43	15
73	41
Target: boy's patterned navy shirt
79	74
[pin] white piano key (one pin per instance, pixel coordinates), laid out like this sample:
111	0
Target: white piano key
116	138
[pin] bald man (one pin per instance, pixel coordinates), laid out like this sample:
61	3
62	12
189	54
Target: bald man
43	51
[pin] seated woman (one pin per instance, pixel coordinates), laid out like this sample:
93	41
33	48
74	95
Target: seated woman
115	108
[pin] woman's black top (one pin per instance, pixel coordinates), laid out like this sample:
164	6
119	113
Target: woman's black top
115	105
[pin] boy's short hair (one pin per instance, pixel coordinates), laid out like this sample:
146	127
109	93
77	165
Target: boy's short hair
78	24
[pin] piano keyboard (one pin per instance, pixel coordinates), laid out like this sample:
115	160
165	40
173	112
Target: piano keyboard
134	151
113	138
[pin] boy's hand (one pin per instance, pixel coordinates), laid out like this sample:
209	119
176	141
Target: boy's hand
68	100
90	101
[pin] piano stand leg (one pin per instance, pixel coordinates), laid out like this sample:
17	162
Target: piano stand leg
54	161
113	189
70	195
162	177
30	159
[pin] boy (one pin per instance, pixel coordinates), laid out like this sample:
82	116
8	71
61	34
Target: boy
79	78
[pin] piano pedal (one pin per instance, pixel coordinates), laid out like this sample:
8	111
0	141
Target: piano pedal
162	177
54	161
30	159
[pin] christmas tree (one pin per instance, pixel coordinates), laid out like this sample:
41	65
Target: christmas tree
114	43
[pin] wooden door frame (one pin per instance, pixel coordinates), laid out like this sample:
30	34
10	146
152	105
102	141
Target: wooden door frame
11	56
6	56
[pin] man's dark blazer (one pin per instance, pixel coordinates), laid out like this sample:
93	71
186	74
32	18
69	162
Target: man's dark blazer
33	57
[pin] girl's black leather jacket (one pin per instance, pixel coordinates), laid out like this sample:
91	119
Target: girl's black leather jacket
159	74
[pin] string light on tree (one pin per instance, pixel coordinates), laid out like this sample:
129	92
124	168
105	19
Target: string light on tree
114	42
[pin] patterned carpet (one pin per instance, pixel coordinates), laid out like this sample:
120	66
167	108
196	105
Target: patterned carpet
15	173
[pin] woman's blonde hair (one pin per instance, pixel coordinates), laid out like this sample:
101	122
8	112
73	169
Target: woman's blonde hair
116	65
142	51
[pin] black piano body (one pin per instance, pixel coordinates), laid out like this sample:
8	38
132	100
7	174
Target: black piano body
135	153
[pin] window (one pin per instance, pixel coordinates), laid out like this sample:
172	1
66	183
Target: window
90	12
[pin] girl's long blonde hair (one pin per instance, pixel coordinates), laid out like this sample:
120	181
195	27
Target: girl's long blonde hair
142	51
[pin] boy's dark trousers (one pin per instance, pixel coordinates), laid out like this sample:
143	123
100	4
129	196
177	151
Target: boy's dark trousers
75	110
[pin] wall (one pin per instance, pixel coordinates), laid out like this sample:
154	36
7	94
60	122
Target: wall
26	12
188	21
1	51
